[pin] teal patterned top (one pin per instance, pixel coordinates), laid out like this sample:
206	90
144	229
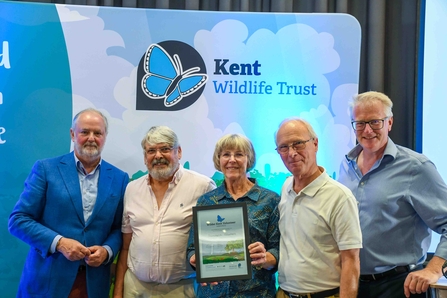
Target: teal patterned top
263	216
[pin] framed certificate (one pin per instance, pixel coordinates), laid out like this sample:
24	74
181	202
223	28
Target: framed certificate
221	238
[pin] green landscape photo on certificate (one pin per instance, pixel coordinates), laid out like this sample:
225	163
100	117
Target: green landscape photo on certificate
220	241
232	251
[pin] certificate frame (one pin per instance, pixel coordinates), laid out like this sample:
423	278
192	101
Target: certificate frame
218	228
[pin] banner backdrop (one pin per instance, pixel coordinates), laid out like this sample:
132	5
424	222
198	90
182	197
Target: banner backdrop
204	74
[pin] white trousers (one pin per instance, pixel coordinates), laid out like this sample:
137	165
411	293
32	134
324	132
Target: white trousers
134	288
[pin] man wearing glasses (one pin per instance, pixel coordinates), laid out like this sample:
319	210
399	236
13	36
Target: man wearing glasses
319	224
156	221
401	198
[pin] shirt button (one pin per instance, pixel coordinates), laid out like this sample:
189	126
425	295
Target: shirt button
362	183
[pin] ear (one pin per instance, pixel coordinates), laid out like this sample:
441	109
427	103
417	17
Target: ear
316	144
179	152
390	123
72	134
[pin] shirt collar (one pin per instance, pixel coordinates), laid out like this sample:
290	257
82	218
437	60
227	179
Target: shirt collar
178	174
80	166
390	150
312	188
253	194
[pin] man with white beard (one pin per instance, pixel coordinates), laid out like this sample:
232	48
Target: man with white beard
156	222
70	214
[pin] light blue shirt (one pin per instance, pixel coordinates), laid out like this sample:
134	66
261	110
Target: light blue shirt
88	183
89	187
401	199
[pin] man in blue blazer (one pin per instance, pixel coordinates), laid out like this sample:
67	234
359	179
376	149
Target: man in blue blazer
70	214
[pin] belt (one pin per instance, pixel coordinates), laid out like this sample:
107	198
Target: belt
390	273
322	294
82	268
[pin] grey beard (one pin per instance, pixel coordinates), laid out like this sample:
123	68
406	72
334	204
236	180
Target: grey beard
164	174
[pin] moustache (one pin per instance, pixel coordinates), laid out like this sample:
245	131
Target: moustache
90	145
160	161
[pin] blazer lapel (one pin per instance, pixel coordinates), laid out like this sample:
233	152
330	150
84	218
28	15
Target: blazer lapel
104	186
69	174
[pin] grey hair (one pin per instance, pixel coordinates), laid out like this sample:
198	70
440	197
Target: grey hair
371	96
76	117
235	142
160	134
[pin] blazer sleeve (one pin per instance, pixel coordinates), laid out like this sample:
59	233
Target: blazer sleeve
25	219
114	239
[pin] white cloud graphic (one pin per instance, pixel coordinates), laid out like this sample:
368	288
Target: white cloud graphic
94	73
294	57
67	15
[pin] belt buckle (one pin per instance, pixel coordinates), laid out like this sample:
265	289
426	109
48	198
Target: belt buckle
368	278
297	296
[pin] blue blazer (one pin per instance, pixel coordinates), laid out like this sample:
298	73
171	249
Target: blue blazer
50	205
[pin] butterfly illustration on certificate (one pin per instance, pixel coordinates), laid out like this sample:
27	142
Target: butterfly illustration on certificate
165	78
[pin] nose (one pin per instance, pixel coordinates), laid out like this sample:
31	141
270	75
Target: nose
292	151
232	158
158	153
91	136
368	128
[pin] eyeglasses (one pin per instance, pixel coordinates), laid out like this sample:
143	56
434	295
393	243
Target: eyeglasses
163	150
375	124
236	155
297	145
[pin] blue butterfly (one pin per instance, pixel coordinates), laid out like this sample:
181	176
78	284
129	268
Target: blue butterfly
220	219
165	78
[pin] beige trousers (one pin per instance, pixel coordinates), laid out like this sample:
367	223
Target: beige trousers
281	294
134	288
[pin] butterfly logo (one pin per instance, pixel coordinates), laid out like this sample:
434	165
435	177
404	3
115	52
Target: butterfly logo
165	78
220	219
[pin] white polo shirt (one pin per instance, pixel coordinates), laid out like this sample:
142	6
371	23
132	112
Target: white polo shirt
315	225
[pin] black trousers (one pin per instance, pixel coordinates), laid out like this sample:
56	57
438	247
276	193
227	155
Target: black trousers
392	287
